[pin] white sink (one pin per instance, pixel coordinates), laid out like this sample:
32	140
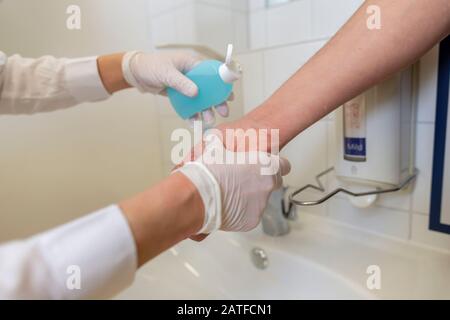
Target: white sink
316	260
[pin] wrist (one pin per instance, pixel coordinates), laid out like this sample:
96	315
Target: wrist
110	70
192	204
236	141
163	215
209	191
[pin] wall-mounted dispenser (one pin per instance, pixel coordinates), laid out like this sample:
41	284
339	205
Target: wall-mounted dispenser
374	142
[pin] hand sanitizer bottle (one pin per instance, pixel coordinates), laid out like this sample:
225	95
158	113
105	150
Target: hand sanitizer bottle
215	84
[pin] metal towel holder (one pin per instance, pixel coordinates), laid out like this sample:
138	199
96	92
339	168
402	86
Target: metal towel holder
321	188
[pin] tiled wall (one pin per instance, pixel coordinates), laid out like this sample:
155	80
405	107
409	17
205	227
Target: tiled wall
281	39
209	22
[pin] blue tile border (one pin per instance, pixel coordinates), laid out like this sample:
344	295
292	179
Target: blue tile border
439	138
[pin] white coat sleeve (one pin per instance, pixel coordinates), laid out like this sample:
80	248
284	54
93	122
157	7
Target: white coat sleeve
92	257
45	84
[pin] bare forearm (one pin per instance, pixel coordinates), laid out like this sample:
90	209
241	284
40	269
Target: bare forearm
164	215
110	70
354	60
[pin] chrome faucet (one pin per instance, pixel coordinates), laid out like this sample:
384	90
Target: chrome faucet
278	212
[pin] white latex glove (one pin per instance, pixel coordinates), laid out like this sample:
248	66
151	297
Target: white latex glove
234	195
154	72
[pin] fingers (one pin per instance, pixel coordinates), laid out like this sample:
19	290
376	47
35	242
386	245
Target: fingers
208	117
199	237
223	109
283	170
182	84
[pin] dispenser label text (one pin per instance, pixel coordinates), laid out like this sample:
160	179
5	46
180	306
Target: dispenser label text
355	146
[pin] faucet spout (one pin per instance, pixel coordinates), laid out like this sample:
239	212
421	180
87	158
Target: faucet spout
278	212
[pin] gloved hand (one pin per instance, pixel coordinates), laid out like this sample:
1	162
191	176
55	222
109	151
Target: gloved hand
154	72
234	195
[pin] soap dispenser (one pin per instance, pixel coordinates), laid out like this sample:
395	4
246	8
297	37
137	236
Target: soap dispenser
214	80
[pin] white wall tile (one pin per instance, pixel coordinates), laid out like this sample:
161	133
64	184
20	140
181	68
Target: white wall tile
222	3
331	132
236	5
252	79
240	5
258	29
329	15
167	125
214	27
163	30
307	154
254	5
331	181
185	23
381	220
164	106
426	109
281	63
289	23
421	233
331	116
167	169
424	159
158	7
240	25
400	200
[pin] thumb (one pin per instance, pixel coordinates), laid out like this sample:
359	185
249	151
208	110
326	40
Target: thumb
285	166
199	237
178	81
284	169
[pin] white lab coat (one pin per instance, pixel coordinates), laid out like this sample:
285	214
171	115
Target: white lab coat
92	257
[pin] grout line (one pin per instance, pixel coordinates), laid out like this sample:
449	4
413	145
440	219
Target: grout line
185	4
286	45
276	6
223	6
425	122
264	89
420	213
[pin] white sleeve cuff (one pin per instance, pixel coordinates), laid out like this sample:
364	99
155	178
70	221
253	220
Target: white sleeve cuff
83	80
209	191
100	246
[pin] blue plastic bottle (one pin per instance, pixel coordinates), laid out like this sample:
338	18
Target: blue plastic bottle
215	84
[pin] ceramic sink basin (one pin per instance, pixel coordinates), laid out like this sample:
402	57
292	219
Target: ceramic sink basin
316	260
221	267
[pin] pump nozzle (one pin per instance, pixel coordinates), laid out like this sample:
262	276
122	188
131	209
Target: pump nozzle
229	56
230	71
